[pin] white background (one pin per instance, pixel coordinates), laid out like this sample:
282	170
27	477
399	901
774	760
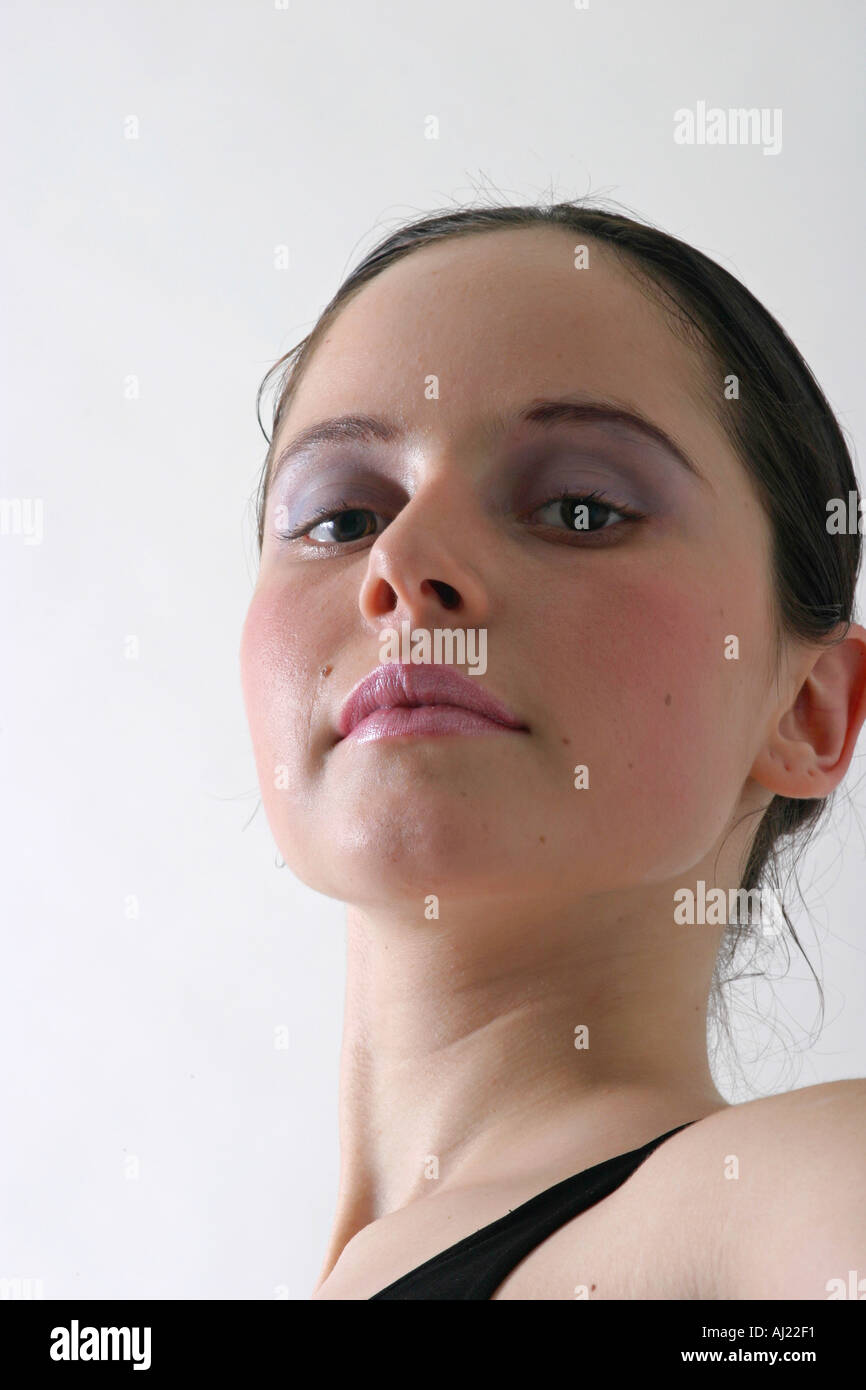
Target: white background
153	1038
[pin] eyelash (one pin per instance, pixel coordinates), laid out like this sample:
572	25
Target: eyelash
630	514
323	514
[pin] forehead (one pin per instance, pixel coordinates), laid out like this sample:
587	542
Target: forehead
497	316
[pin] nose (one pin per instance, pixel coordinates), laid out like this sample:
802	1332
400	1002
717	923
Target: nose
419	568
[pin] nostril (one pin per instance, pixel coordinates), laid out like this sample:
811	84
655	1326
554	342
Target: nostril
449	596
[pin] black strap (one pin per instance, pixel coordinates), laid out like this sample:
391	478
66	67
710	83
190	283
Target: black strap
476	1266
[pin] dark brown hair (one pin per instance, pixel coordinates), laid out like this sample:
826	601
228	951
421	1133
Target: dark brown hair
780	426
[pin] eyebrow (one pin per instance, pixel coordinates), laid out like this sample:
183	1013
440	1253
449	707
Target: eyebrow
367	429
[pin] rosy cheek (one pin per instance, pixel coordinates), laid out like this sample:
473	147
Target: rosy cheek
632	641
276	663
647	677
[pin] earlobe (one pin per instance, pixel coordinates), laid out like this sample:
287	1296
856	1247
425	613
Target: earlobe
811	745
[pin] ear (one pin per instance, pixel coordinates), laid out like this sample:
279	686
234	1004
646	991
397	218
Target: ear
811	743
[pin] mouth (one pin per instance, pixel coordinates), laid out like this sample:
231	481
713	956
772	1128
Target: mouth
397	700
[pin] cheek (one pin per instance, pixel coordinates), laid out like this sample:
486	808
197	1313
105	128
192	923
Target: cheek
660	717
281	660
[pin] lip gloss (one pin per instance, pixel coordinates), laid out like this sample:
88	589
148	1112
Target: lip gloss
401	721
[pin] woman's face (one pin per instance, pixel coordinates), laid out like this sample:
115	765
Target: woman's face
607	640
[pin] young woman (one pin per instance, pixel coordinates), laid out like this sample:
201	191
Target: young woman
586	450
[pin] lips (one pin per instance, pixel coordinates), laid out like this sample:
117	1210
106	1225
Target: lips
452	703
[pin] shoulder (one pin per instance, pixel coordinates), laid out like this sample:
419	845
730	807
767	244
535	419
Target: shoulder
761	1200
781	1183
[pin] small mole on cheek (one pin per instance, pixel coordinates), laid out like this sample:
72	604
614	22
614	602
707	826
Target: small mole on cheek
326	670
631	765
566	740
541	840
667	699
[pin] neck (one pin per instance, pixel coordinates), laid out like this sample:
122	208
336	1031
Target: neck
506	1038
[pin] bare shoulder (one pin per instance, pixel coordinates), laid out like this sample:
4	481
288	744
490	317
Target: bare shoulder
761	1200
781	1185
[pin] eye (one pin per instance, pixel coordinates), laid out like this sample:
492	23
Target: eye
583	513
337	525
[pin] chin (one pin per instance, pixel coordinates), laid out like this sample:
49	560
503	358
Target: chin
405	849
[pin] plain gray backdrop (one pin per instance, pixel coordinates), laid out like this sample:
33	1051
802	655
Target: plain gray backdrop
157	1142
